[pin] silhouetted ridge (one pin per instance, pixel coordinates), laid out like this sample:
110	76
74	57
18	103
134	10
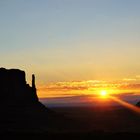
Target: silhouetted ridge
138	104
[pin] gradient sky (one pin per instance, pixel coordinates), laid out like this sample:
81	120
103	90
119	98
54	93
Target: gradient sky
68	40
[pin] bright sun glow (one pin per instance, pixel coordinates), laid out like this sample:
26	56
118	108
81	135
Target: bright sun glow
103	93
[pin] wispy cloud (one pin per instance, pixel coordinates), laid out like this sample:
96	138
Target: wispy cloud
128	79
74	88
130	86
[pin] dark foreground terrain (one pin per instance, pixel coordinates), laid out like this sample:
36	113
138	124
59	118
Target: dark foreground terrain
88	123
103	119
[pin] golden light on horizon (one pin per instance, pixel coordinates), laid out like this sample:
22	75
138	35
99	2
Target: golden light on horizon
103	93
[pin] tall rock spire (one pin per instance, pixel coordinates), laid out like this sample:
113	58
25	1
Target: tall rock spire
34	87
33	81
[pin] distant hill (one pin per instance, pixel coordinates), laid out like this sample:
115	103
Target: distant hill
138	104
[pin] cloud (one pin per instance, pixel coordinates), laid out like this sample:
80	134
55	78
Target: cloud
74	88
73	85
128	79
129	86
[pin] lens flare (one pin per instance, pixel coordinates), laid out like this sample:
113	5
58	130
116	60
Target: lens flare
126	104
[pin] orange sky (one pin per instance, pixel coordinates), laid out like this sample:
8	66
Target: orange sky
91	87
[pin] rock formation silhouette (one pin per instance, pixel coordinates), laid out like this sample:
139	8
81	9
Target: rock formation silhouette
20	108
138	104
13	87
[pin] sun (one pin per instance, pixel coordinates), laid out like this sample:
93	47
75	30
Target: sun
103	93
